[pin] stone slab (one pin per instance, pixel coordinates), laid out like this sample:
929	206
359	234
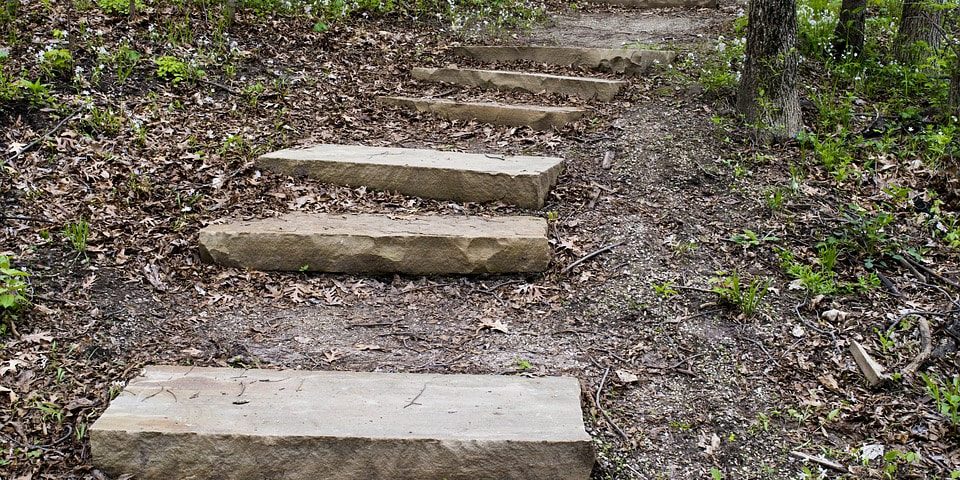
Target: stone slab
233	424
464	177
534	116
616	60
588	88
659	3
378	244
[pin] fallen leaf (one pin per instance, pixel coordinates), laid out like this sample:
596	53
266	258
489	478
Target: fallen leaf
627	377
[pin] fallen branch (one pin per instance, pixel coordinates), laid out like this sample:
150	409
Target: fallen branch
935	274
53	130
606	416
926	346
820	461
591	255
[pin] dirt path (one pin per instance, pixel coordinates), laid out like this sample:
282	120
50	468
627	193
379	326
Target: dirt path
689	385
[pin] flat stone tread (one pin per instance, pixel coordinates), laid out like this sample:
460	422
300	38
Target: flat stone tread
503	106
545	76
475	162
294	403
378	225
546	50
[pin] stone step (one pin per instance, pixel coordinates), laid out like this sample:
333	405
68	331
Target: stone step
534	116
643	4
463	177
232	424
617	60
377	244
588	88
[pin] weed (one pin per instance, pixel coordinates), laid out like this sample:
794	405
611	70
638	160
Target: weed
103	121
56	62
749	238
118	7
945	395
126	59
13	293
37	93
665	289
77	233
716	474
747	298
175	70
523	365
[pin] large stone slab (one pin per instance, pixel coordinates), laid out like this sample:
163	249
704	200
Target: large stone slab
617	60
659	3
465	177
368	243
231	424
534	116
588	88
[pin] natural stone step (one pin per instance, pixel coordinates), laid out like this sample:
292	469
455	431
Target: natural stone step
658	3
232	424
534	116
617	60
588	88
464	177
368	243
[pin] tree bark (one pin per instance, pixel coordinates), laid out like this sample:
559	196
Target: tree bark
955	87
768	96
920	32
848	38
230	13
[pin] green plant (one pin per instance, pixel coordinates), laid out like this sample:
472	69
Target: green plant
665	289
56	62
38	93
126	59
13	292
523	365
716	474
103	121
945	395
746	297
750	238
77	233
118	7
175	70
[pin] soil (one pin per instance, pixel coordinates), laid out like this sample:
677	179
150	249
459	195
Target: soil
689	383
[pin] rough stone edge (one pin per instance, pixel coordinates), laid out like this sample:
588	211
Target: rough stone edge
537	118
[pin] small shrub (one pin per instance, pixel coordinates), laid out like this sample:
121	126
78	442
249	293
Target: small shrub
175	70
747	298
945	395
77	233
118	7
57	62
13	293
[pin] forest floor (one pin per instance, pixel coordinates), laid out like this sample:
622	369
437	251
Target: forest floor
696	385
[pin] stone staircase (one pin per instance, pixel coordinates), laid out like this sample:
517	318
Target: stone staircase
178	422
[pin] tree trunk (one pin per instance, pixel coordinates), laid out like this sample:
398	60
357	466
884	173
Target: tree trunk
230	13
768	95
920	32
955	87
848	37
132	10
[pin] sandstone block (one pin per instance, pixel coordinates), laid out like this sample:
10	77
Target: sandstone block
369	243
464	177
616	60
534	116
230	424
588	88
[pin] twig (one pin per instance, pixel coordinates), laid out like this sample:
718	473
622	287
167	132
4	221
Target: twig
888	284
819	460
41	138
936	275
413	402
606	416
903	261
694	289
24	219
591	255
